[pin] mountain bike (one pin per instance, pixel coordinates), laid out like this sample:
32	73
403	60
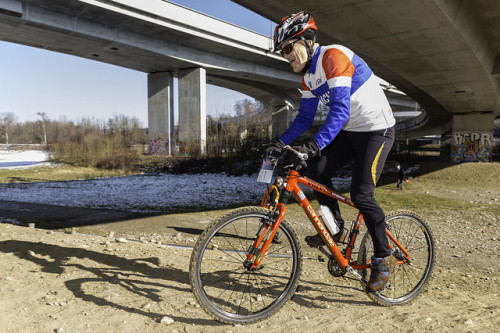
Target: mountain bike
246	265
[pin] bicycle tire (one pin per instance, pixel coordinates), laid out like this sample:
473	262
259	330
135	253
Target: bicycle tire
227	290
409	279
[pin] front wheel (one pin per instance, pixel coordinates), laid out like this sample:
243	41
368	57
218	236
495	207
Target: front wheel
412	273
229	291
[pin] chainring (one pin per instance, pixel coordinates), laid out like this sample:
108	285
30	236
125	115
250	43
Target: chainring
334	268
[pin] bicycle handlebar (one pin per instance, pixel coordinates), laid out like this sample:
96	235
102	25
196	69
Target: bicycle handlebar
301	156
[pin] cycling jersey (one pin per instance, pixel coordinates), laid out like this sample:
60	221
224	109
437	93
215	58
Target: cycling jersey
343	81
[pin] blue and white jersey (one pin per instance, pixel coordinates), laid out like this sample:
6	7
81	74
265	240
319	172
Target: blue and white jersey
343	81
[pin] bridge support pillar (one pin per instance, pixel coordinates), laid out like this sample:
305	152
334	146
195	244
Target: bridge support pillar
161	110
192	111
472	137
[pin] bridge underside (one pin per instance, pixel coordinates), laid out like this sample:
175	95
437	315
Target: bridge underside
444	54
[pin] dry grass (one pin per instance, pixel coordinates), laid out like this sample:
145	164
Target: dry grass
56	173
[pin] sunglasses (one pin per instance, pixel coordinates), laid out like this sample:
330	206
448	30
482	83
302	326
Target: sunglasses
288	48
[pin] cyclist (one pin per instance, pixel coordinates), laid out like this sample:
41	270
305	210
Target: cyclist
359	127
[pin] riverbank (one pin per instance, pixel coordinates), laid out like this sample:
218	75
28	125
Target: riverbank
127	274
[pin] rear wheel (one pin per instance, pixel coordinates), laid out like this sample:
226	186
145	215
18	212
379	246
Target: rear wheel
221	283
411	274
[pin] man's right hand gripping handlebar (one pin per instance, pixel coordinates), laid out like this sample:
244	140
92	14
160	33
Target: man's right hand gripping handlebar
308	150
297	155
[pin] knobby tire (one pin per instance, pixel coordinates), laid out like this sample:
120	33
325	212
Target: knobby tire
227	290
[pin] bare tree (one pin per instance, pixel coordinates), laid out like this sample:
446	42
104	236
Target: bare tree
7	122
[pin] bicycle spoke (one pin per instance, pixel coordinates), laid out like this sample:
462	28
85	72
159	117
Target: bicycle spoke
239	238
239	259
413	249
232	246
224	261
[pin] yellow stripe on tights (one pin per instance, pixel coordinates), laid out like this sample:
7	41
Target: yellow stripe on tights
374	165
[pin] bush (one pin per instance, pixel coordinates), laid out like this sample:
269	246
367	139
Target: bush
234	166
95	149
128	161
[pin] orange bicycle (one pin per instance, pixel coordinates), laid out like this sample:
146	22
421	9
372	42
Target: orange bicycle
246	265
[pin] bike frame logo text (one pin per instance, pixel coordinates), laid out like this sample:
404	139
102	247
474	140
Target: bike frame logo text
320	225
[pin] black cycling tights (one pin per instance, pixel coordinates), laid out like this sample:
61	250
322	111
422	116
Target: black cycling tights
368	152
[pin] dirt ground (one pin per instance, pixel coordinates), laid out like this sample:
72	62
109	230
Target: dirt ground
131	276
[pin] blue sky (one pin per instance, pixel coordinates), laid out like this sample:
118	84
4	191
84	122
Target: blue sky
34	80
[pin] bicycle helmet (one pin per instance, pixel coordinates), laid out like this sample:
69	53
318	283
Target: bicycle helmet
299	26
292	26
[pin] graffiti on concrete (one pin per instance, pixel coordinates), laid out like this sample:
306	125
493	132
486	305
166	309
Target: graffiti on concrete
158	147
472	147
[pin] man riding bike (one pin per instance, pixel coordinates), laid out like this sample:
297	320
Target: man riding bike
359	128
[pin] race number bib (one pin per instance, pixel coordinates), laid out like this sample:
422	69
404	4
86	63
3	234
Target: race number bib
266	172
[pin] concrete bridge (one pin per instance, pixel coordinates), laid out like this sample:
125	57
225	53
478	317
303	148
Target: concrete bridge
165	40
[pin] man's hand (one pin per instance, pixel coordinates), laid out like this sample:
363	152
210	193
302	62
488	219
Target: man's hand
310	148
274	149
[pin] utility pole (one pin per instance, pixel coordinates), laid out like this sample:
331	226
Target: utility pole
44	120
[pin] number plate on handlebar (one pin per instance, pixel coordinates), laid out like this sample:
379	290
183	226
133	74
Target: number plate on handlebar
266	172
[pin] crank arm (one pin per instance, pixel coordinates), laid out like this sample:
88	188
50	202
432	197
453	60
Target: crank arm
325	252
351	270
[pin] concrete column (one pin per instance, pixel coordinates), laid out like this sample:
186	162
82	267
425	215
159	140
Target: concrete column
161	109
192	109
472	137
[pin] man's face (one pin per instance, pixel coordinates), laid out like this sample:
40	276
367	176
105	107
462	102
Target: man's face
297	56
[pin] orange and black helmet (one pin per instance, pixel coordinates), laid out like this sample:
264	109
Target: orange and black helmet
292	26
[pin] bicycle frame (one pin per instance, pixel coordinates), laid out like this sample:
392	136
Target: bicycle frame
267	232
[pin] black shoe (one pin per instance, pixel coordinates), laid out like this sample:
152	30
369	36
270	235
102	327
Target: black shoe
316	241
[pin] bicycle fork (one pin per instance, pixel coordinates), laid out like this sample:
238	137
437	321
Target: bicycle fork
264	238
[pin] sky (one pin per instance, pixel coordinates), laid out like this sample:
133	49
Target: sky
70	88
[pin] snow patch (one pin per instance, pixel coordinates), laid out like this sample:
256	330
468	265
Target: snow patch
14	159
139	193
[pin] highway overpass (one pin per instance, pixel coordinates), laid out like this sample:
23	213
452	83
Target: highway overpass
435	51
